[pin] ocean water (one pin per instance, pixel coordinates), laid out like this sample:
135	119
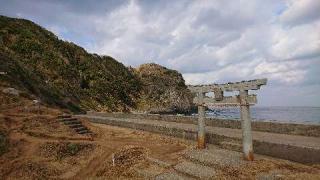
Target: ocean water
300	115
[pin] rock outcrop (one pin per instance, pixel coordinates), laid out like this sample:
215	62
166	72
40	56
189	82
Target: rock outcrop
163	90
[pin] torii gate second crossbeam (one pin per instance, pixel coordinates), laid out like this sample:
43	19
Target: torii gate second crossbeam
244	100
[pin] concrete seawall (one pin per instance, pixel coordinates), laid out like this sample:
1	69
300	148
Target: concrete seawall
291	147
282	128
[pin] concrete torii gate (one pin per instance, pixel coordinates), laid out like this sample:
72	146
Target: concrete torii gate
244	100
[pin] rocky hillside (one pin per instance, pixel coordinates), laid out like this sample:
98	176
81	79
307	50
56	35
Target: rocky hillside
163	90
60	73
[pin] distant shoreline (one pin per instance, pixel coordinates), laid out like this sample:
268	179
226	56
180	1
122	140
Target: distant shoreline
278	114
274	121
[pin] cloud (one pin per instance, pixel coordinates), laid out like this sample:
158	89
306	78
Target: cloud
296	42
301	12
208	41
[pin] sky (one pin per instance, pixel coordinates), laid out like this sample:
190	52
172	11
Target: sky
212	41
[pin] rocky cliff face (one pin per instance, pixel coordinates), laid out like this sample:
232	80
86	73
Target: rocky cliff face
163	90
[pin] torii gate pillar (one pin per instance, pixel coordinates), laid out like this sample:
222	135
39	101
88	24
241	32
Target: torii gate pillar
201	123
201	126
246	126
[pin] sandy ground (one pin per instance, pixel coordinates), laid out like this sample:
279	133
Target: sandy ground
39	147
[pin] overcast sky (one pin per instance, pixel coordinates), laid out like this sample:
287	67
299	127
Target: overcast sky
207	41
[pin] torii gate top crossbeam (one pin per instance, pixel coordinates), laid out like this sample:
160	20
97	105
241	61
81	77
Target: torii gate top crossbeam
218	89
237	86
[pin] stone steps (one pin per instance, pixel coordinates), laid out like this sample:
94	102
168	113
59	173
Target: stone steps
149	172
202	163
195	170
158	162
85	132
214	157
195	164
67	119
64	116
80	128
74	124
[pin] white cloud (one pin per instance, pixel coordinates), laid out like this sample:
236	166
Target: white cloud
301	12
286	72
296	42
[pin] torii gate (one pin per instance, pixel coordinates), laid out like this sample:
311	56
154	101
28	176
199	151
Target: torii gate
244	100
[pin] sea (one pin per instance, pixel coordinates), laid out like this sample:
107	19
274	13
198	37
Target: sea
282	114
